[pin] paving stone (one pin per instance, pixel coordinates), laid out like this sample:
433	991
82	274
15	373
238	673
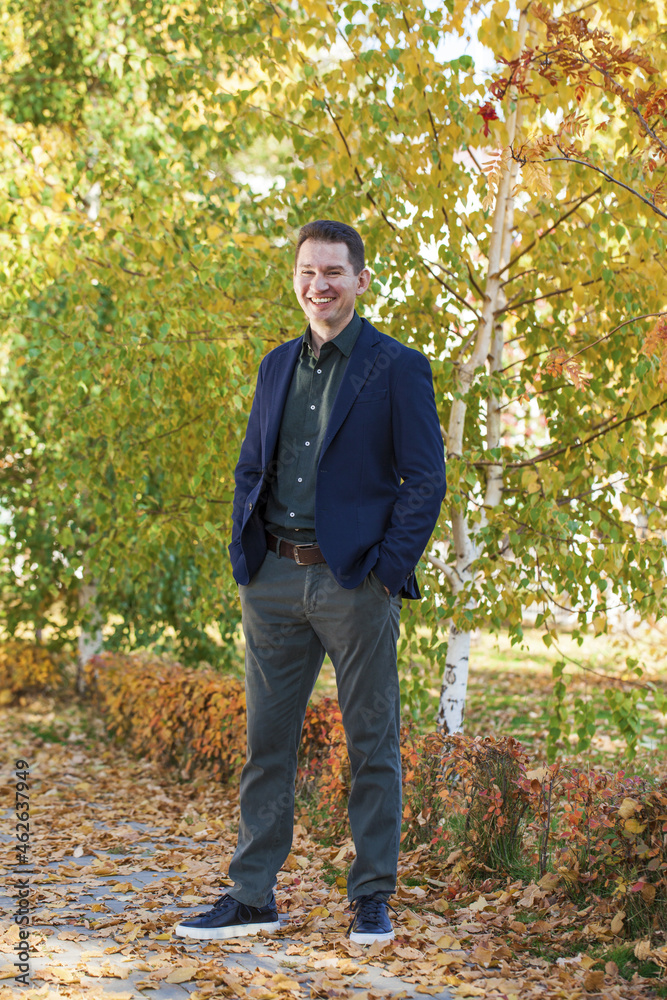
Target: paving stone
58	953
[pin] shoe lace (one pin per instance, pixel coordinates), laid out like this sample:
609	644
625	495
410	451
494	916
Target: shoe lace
368	908
224	902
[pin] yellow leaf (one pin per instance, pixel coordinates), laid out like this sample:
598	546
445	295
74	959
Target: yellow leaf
549	881
594	981
642	950
627	808
182	974
447	941
648	892
37	219
617	922
283	983
482	956
599	624
634	826
448	958
579	294
61	199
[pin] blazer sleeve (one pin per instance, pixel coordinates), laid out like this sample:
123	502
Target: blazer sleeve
249	470
420	461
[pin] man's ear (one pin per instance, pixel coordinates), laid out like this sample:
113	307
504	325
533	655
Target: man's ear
363	281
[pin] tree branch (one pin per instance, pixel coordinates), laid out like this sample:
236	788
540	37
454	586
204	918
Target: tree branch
581	444
356	169
547	231
510	307
451	290
442	567
635	319
583	163
610	483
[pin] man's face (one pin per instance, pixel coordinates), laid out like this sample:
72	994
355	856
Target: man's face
326	285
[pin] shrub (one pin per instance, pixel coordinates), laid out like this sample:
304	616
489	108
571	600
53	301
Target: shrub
323	780
173	714
26	668
615	834
491	775
425	798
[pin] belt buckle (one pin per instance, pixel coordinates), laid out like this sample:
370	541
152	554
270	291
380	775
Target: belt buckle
297	548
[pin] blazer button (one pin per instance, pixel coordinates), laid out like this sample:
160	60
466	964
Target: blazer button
249	506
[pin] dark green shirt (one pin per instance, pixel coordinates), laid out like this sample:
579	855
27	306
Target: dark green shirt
290	506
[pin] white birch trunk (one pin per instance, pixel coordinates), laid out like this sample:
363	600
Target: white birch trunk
487	350
90	641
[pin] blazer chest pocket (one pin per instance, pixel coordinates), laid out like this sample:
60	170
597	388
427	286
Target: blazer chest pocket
371	397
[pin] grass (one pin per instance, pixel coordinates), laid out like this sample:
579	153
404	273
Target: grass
623	955
330	873
510	691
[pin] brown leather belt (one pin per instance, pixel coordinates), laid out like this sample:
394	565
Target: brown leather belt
303	555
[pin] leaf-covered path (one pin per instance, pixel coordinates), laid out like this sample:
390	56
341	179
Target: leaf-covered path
121	850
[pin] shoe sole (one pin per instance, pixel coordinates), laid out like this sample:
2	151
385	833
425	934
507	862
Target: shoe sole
225	933
359	938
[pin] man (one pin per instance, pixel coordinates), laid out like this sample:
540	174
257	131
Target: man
338	488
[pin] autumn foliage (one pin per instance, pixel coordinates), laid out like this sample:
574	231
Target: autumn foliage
594	835
194	720
25	668
478	807
180	717
514	220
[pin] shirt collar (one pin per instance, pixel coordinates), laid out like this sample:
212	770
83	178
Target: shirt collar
344	341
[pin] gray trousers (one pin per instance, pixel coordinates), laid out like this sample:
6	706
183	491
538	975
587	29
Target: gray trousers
292	616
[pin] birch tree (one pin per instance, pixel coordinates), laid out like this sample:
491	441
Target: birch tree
514	220
488	349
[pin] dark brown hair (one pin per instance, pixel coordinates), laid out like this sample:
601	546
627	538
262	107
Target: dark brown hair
328	231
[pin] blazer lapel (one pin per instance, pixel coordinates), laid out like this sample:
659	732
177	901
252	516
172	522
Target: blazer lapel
282	377
359	367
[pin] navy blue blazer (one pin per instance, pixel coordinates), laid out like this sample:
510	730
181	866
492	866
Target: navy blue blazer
381	470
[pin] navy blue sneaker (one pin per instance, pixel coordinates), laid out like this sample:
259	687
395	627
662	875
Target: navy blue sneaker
230	919
370	921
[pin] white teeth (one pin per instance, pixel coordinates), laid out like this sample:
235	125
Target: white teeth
321	300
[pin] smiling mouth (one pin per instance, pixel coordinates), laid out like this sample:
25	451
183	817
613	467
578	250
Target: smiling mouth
321	301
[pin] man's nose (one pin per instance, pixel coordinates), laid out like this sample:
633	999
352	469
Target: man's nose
319	283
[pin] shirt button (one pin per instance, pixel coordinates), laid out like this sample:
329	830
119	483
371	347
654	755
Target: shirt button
319	371
307	443
291	514
312	407
300	479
